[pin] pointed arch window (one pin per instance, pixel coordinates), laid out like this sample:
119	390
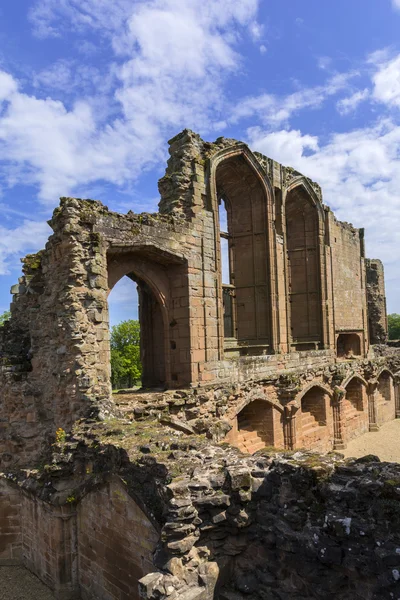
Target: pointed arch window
245	274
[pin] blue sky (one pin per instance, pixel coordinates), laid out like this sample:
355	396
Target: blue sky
91	90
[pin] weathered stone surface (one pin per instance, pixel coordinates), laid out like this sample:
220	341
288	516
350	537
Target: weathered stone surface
278	358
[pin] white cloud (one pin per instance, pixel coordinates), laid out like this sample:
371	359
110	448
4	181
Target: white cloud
276	110
387	82
8	86
282	145
15	242
348	105
324	62
68	76
396	4
173	60
256	31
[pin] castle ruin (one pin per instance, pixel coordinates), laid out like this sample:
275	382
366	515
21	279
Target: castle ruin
263	330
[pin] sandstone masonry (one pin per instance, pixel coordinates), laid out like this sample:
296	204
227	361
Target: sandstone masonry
262	326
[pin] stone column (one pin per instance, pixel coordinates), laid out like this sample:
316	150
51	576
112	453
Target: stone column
288	387
372	404
397	393
289	425
339	394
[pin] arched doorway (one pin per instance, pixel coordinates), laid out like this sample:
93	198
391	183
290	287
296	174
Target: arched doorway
304	276
142	350
163	294
316	420
355	409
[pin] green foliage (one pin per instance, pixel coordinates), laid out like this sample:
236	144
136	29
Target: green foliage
394	326
126	368
4	317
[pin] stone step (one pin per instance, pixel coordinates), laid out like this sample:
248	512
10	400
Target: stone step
305	430
247	435
307	418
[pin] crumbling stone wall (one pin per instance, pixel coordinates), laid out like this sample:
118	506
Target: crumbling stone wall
55	349
295	525
349	304
377	315
298	529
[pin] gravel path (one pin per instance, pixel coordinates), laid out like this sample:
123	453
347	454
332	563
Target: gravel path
383	443
17	583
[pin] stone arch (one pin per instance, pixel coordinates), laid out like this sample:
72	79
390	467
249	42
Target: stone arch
257	423
316	421
385	369
235	175
354	376
257	395
324	388
354	413
385	397
154	272
304	235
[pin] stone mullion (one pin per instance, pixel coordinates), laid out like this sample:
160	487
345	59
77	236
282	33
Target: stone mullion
271	245
286	273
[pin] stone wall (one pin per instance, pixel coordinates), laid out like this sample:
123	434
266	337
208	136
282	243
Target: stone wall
10	525
304	527
293	291
139	500
116	542
377	315
95	548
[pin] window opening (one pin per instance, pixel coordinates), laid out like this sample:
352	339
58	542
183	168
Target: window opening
228	290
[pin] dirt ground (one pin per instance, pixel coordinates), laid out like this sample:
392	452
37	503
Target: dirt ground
383	443
17	583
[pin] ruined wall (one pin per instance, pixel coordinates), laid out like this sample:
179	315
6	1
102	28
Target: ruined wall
376	298
348	278
55	349
116	542
304	527
94	548
49	544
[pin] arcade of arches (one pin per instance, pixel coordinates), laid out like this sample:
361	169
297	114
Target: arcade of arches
318	418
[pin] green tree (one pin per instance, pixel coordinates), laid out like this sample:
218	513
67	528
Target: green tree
394	326
126	368
4	317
